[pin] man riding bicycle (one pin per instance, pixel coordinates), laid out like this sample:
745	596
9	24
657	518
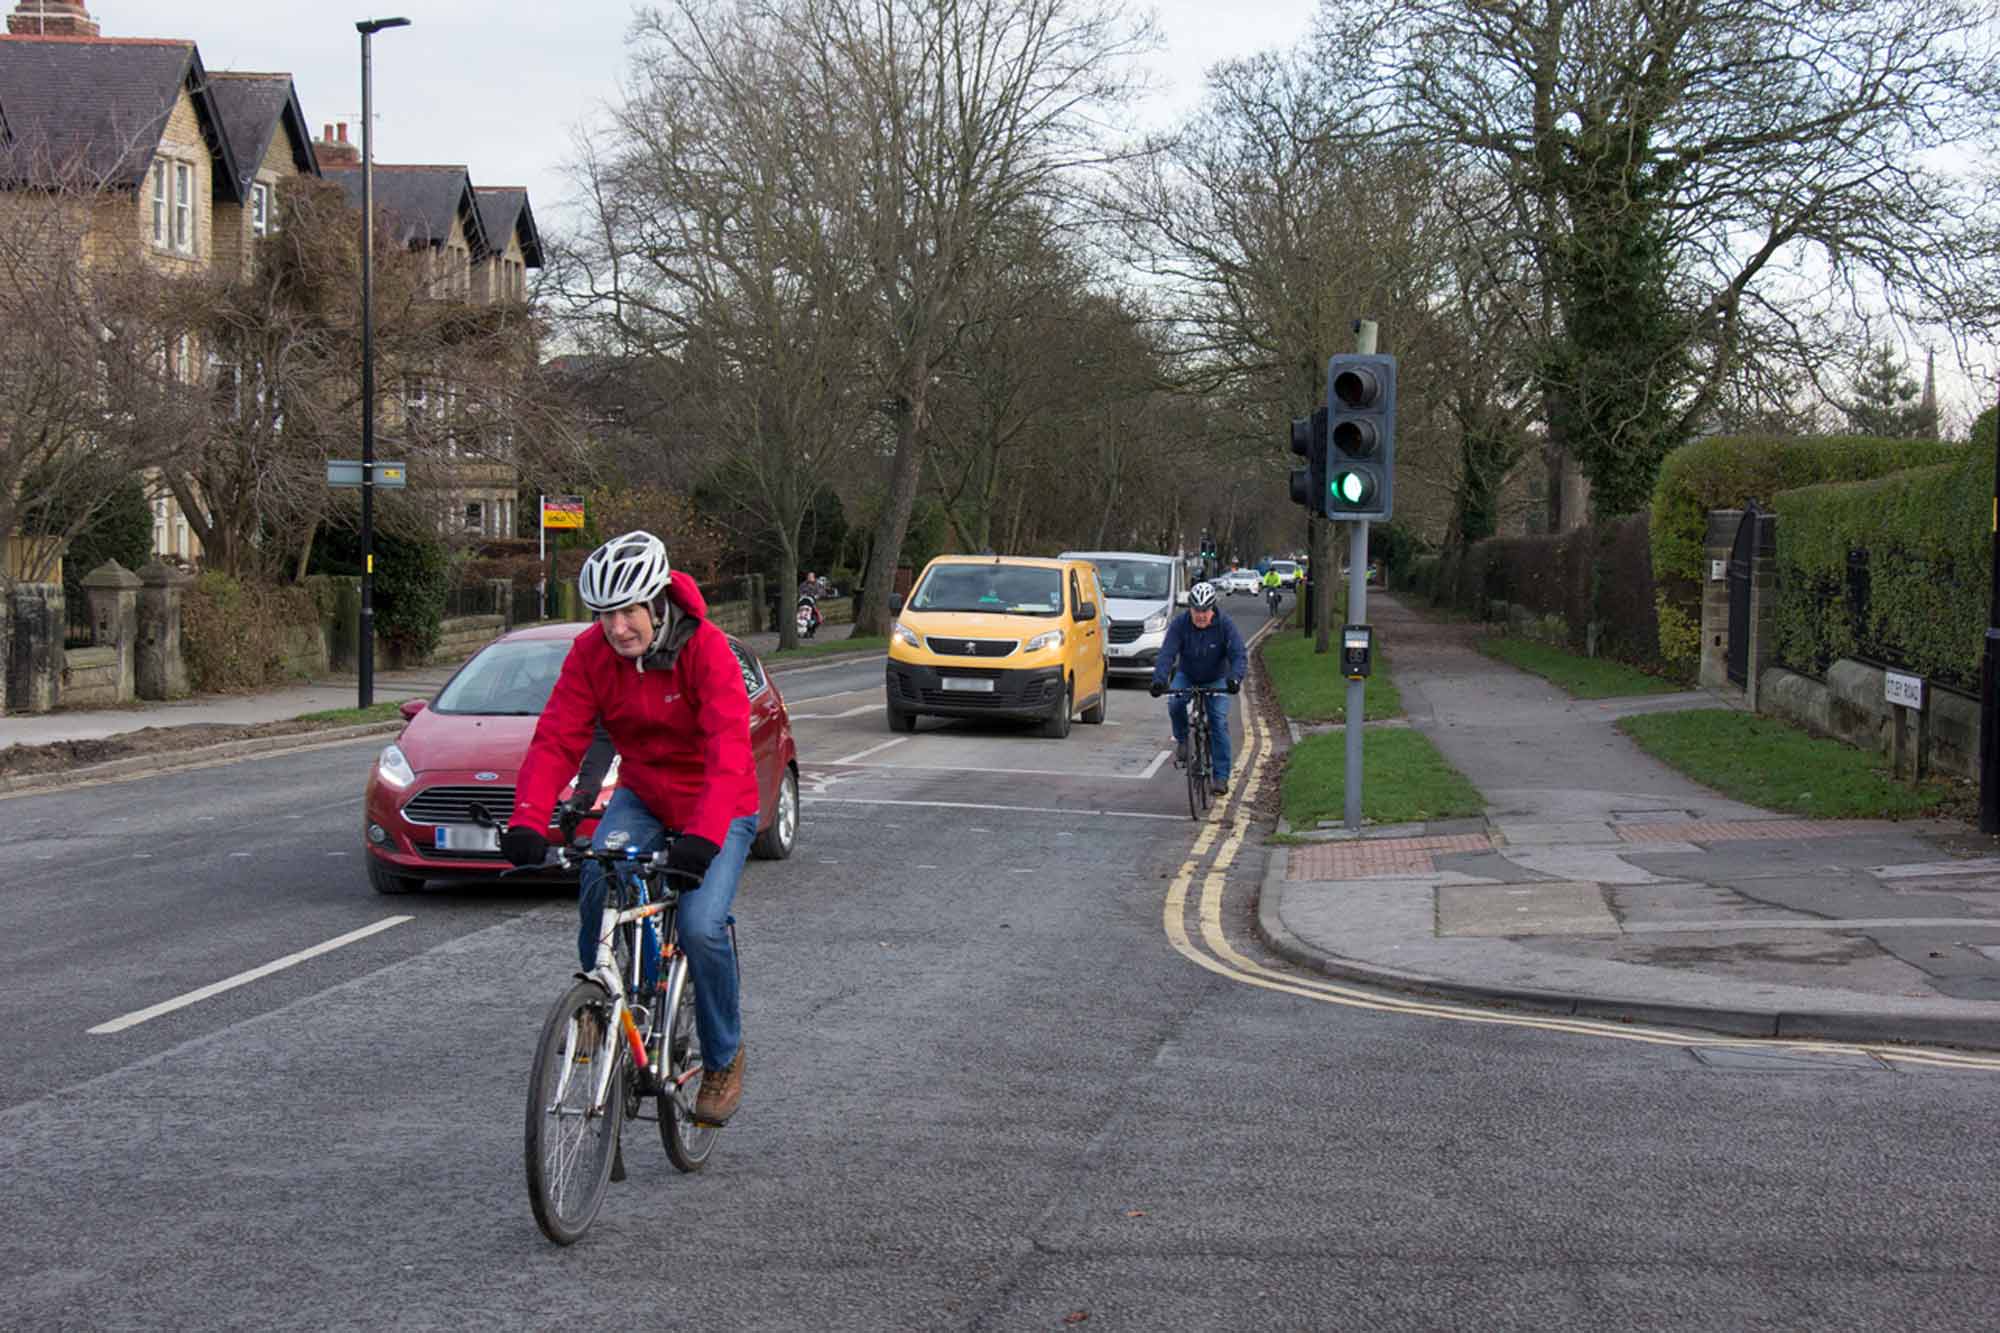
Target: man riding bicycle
667	687
1208	651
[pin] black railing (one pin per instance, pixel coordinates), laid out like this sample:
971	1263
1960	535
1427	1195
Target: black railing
472	599
78	631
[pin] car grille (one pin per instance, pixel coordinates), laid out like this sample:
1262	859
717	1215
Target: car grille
947	647
1033	693
1126	631
453	805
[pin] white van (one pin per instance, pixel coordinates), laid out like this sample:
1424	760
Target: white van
1142	593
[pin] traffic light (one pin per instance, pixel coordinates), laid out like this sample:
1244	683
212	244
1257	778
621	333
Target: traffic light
1361	436
1309	443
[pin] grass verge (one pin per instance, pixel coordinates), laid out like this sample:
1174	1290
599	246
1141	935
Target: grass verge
1580	677
1772	764
384	711
1310	687
1403	779
871	643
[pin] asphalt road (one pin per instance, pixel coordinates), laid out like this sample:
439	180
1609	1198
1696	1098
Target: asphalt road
997	1079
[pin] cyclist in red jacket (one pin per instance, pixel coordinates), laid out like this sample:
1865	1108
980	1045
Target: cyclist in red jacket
666	685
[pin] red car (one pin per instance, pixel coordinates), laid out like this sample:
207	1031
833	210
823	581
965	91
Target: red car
464	748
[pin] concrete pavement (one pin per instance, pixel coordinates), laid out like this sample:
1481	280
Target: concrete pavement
1601	882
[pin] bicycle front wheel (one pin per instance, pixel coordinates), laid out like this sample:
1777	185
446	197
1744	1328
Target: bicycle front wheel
572	1137
1197	772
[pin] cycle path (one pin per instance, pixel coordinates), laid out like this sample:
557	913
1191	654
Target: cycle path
1601	882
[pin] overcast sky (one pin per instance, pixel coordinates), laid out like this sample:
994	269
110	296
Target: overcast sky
499	85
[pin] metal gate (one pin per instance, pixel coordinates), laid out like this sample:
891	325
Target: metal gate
1742	558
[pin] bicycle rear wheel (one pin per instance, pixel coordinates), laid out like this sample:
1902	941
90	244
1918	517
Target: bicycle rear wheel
688	1144
570	1143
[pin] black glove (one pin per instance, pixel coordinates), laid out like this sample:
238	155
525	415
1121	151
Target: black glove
689	858
523	846
1234	685
1156	689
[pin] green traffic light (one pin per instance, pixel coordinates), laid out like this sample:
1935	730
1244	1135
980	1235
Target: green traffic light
1354	489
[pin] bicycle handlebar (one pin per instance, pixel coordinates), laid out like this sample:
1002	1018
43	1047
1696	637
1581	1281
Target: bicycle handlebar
575	851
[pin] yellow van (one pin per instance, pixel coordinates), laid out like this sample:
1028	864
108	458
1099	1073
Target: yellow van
999	636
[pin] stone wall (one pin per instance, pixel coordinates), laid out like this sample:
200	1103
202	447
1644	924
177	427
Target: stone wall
90	678
1848	705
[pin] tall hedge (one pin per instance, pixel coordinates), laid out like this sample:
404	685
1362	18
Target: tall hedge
1917	597
234	632
1726	473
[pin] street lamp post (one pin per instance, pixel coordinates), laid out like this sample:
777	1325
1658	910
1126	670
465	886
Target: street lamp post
368	28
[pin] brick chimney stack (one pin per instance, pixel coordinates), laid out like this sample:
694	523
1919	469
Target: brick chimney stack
51	18
336	151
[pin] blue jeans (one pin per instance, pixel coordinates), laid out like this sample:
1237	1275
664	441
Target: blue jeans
1218	719
704	921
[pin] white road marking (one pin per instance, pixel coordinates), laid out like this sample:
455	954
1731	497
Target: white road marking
873	749
829	717
1012	809
1016	772
244	978
1154	767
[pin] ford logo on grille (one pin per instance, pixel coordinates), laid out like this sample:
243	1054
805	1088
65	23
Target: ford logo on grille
485	777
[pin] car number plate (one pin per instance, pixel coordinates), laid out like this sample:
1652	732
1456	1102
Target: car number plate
972	683
467	838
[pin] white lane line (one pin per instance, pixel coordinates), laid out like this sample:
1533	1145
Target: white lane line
1017	772
244	978
829	717
972	805
1154	767
873	749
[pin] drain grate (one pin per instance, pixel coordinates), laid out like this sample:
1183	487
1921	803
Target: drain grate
1777	1060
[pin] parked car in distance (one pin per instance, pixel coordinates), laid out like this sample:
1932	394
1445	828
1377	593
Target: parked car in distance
464	749
1001	637
1240	581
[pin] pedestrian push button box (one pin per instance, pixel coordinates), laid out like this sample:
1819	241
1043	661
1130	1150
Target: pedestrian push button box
1357	651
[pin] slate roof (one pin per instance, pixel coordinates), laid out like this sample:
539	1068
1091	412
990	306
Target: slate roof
252	108
420	201
92	110
503	210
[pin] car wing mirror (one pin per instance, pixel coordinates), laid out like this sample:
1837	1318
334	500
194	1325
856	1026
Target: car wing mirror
1180	599
1087	611
409	708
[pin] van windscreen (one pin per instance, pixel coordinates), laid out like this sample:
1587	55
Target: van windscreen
1140	580
1015	590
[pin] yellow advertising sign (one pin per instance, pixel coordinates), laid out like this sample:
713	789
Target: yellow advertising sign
562	511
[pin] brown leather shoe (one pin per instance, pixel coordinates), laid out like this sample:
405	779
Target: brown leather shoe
721	1092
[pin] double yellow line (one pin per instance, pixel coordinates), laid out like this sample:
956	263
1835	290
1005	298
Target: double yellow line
1220	841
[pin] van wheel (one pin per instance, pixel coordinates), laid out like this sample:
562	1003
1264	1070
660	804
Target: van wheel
1056	725
901	719
1094	715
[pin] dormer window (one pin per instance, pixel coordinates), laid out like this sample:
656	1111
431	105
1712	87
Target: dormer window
159	203
183	207
262	223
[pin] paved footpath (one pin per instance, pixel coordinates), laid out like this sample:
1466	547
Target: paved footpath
1602	882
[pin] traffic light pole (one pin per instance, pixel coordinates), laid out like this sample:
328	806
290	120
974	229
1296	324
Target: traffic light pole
1357	614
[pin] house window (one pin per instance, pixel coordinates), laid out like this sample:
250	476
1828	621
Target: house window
260	210
183	207
475	517
159	203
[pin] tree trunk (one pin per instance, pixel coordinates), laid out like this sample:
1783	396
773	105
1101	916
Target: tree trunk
894	524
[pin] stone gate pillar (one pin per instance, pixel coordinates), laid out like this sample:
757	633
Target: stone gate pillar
114	618
160	670
1715	548
35	658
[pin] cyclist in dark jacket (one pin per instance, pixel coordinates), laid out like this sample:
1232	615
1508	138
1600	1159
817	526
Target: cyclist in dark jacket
1203	648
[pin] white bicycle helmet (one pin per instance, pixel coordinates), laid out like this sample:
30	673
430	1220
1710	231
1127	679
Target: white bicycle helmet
625	571
1201	597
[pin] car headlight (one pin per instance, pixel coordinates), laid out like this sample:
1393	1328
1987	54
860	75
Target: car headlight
1155	624
1051	639
394	768
903	634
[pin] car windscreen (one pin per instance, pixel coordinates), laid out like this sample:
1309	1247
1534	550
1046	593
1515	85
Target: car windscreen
1284	566
513	679
1014	590
1138	580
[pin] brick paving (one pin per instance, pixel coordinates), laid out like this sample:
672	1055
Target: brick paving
1365	859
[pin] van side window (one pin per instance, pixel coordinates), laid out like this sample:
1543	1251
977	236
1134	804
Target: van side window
1075	597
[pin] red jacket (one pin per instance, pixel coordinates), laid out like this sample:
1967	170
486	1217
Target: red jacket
683	734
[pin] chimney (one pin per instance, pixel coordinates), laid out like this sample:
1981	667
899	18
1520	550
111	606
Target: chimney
51	18
333	150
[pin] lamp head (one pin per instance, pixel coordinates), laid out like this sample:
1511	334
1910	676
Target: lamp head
368	27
